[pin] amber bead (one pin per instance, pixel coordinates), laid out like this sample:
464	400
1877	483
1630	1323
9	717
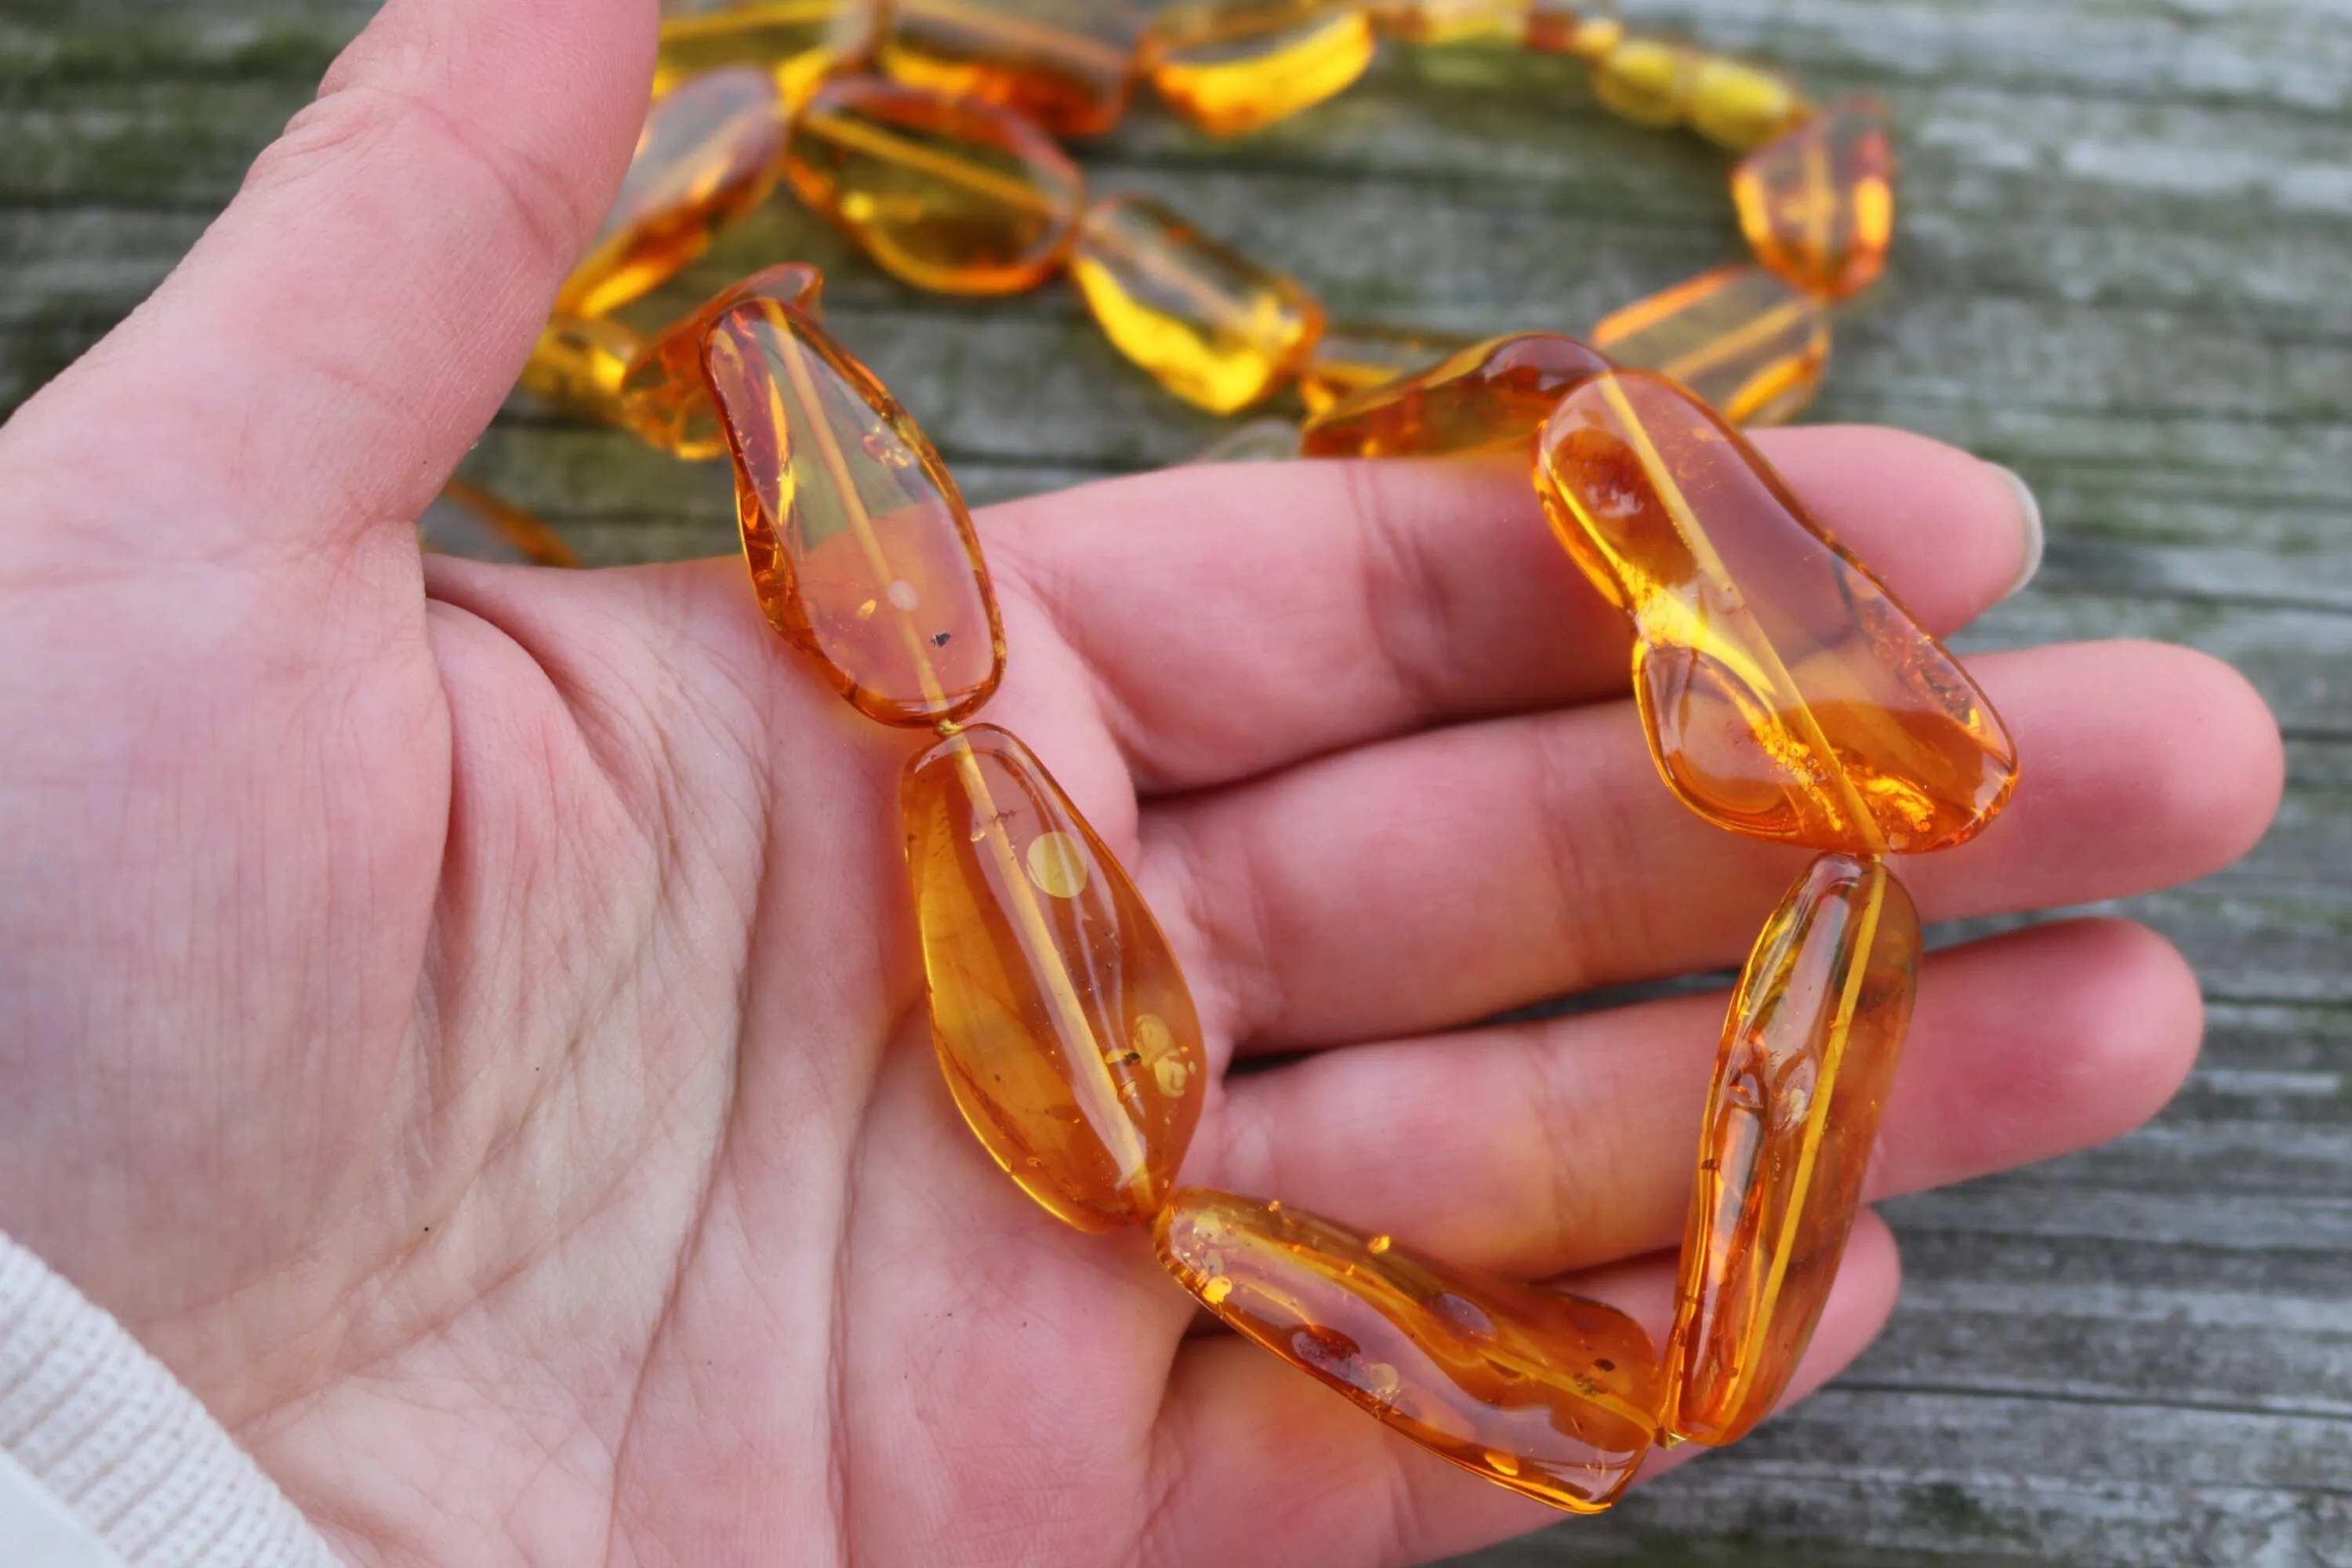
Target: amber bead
663	395
798	42
1551	1395
1233	66
468	522
1352	357
952	194
579	363
1647	80
707	156
1739	105
1738	336
1069	65
1818	205
1062	1020
1218	329
1436	22
1809	1054
1786	694
1492	393
860	549
1572	27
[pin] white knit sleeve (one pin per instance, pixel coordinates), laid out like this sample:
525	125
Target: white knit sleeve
107	1462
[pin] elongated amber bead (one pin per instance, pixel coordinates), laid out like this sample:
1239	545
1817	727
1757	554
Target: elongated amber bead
1440	21
663	395
798	42
1234	66
1786	695
466	521
1216	329
952	194
707	156
1581	27
1647	80
1492	393
1550	1395
860	549
1352	358
1818	204
1739	337
579	365
1809	1054
1062	1023
1069	65
1739	105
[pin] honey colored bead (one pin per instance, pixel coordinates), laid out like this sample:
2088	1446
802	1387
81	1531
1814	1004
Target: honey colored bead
1739	105
1216	329
1550	1395
1809	1054
707	156
465	520
1786	695
1233	66
1818	205
951	195
1494	394
1069	65
1062	1020
798	42
860	549
1574	27
1352	359
579	365
1739	337
1647	80
663	395
1438	22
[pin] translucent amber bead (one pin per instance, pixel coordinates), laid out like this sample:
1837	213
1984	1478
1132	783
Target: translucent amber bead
1233	66
663	395
579	363
1550	1395
1808	1056
1572	27
1218	329
1069	65
1491	393
1738	336
1786	694
1352	359
1647	80
1435	22
707	156
1818	205
951	195
860	549
798	42
1739	105
1062	1020
472	522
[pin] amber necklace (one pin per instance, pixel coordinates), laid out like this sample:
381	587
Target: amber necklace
1785	694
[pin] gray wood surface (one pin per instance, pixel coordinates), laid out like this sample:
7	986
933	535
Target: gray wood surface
2125	268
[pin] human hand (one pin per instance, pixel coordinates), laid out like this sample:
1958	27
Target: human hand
467	1020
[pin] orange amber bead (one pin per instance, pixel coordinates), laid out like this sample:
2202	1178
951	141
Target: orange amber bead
798	42
860	549
1069	65
1218	329
472	522
706	157
1550	1395
951	195
663	396
1233	66
1062	1020
1786	694
1491	393
579	363
1808	1056
1738	336
1350	359
1818	205
1436	22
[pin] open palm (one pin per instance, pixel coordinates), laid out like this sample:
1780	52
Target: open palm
466	1019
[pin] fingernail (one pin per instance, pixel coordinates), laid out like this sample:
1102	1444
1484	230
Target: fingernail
2028	519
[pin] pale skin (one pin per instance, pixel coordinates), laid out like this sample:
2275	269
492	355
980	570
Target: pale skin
466	1019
